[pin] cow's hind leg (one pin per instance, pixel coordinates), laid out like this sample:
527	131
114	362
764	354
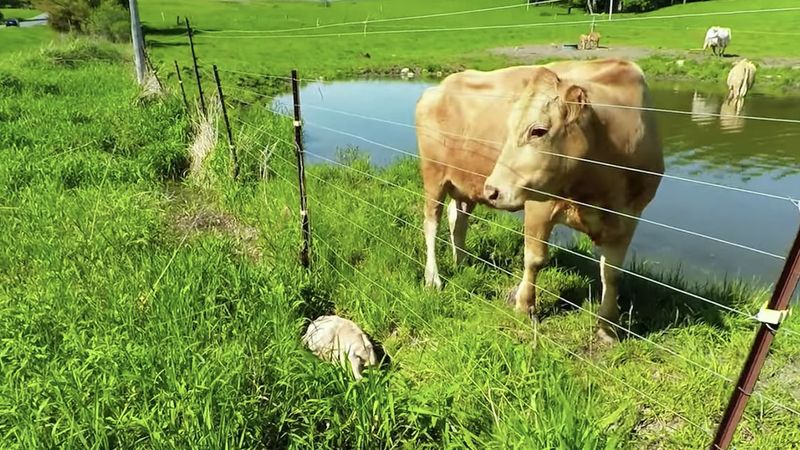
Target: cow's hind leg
613	256
538	226
458	218
433	212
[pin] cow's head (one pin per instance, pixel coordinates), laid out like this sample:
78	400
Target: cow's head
546	123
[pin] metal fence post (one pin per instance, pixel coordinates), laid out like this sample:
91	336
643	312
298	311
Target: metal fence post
196	70
231	145
180	83
770	321
305	259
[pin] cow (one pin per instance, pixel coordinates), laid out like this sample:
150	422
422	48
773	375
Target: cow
594	40
740	79
718	39
589	41
521	138
583	42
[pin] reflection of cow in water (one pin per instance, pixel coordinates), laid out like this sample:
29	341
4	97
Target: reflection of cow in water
730	115
704	108
740	80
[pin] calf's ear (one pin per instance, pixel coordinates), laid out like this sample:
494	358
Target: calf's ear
575	100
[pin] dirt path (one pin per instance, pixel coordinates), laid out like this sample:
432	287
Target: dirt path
531	53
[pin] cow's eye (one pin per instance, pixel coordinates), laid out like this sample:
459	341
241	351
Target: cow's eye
537	131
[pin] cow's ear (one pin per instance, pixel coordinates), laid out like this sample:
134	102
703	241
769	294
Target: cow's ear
575	100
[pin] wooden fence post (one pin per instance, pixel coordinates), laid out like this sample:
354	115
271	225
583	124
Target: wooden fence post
180	83
196	70
770	317
305	259
231	145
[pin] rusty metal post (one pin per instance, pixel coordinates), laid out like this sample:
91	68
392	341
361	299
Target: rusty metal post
231	145
305	259
196	70
180	83
778	304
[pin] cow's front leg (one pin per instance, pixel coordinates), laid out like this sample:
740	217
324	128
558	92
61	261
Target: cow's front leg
538	226
613	256
433	212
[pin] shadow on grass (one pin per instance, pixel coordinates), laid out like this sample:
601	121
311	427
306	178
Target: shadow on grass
177	30
158	44
649	307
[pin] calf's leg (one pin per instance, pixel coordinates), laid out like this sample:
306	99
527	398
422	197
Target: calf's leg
458	218
538	226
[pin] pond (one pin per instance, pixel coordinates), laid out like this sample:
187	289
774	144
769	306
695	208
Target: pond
749	154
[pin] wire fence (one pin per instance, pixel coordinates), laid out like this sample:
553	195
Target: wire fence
321	184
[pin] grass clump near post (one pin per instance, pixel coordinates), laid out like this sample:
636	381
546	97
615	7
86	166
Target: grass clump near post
205	136
75	53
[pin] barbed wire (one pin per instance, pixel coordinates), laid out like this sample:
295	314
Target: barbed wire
509	315
379	21
505	27
662	284
630	332
548	194
573	304
575	158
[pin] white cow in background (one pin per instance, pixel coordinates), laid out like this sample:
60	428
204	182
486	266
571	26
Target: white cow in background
718	38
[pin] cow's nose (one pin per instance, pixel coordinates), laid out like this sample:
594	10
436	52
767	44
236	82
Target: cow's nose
491	192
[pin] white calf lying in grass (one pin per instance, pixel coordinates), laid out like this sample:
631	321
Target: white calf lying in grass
332	338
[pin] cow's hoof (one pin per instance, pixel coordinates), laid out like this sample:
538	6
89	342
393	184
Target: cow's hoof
606	336
511	297
433	282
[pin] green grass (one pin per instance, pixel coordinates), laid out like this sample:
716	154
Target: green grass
142	309
19	13
756	36
21	41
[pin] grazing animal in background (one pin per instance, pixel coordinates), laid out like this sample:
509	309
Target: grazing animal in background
594	40
583	42
740	79
718	38
514	139
333	338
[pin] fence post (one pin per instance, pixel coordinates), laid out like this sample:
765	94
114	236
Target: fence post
180	83
231	145
196	70
770	321
305	260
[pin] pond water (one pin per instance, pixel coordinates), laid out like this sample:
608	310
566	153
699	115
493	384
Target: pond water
756	155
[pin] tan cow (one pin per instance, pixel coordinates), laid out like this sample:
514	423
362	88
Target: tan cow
540	121
593	40
583	42
740	79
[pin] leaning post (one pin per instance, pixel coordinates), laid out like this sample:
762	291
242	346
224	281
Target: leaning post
771	316
231	145
180	83
196	70
305	259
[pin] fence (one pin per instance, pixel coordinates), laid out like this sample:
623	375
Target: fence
767	318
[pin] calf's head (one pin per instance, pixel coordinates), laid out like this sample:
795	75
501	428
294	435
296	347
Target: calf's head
546	124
